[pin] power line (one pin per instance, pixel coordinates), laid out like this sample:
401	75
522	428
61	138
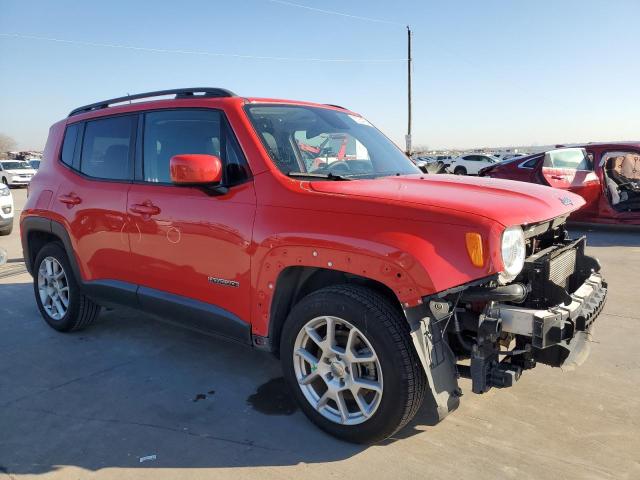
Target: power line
199	52
331	12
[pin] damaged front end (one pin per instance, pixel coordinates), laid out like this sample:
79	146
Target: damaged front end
491	332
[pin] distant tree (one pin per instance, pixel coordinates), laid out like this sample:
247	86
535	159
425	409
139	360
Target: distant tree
6	143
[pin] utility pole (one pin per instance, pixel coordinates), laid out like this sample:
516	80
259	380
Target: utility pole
408	137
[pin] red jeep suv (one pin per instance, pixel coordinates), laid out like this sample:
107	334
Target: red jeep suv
300	229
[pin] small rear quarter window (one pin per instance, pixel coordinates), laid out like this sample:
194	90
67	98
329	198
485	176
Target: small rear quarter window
69	144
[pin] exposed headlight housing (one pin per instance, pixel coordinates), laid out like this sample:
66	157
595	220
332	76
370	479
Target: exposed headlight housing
4	191
513	253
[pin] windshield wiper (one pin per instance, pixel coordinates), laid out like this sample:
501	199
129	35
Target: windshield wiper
324	176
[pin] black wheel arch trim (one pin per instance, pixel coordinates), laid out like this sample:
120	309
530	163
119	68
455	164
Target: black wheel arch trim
29	225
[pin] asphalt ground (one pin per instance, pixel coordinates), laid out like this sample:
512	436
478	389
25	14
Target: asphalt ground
133	397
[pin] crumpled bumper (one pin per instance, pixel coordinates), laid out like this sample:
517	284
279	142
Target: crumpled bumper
560	335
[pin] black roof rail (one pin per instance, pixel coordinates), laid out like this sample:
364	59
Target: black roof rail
335	106
178	92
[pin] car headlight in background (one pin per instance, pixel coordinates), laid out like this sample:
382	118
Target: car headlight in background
513	253
4	191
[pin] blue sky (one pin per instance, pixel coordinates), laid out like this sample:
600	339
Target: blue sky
486	73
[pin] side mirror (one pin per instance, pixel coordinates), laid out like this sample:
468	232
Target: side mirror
195	169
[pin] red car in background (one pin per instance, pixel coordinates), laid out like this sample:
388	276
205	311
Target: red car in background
606	175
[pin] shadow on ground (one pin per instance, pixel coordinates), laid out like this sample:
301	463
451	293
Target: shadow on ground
131	387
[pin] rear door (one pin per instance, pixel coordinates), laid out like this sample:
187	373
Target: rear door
93	192
187	244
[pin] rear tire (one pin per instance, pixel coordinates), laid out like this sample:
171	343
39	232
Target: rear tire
460	171
382	334
61	302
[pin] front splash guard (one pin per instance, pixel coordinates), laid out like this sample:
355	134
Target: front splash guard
438	361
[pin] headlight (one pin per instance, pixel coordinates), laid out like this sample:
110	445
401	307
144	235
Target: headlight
513	253
4	191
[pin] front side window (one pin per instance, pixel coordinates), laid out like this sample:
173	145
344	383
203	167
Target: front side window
175	132
106	148
569	158
323	142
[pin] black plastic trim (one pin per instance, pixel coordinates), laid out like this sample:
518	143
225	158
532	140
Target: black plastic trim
194	314
27	226
112	292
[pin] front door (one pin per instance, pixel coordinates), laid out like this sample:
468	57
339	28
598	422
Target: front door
572	169
189	246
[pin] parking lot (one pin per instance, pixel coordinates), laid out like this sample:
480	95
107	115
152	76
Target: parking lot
133	396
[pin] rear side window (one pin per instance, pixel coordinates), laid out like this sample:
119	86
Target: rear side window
568	158
174	132
69	144
106	148
530	163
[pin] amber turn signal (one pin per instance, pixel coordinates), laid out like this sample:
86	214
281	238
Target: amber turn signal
474	248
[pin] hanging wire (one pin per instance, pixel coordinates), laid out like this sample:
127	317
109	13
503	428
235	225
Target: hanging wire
199	52
331	12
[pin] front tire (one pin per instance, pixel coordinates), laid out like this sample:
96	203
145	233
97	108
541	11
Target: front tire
347	356
60	300
460	171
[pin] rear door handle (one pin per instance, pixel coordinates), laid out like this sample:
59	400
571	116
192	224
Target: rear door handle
558	177
70	199
146	208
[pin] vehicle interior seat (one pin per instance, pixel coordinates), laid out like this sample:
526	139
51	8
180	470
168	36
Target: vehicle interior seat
623	182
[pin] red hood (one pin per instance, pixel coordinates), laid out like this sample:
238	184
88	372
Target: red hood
505	201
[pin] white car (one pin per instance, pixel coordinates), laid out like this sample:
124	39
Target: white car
6	210
16	172
471	164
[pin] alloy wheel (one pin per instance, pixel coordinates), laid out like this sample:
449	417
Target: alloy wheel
53	288
338	370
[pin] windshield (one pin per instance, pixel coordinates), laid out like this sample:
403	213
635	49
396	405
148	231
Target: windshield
325	142
15	165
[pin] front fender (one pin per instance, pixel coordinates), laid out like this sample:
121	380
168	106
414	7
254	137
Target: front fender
413	259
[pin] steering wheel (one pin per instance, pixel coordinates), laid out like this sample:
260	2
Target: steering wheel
337	167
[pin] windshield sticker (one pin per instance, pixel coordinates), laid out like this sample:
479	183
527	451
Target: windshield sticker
360	120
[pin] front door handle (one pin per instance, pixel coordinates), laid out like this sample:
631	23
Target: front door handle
145	209
558	177
70	199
